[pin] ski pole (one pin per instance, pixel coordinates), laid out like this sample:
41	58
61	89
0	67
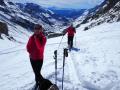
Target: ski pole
65	54
55	57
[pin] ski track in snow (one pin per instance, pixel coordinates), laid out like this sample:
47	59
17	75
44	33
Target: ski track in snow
72	70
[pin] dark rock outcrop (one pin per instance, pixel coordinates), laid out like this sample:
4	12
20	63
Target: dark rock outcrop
2	2
3	29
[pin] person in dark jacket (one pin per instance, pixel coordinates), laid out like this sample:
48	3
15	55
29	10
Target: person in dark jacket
70	31
35	48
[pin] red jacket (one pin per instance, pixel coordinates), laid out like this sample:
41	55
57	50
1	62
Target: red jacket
71	31
35	46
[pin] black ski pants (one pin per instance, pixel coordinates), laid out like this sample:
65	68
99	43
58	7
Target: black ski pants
36	66
70	41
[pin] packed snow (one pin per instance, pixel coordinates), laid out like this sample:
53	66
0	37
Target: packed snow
93	63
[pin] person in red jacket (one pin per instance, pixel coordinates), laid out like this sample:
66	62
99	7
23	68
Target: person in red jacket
70	31
35	48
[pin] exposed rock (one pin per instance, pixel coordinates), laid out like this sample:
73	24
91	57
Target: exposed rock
3	29
2	2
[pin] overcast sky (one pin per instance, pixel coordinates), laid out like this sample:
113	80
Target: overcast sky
65	3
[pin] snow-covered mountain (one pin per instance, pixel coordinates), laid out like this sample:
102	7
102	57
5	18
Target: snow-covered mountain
8	28
68	13
11	14
108	11
93	63
42	13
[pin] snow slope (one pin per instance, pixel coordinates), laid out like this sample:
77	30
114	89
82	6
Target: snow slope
93	64
107	12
